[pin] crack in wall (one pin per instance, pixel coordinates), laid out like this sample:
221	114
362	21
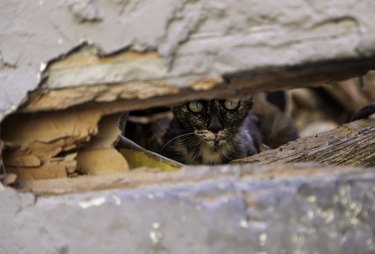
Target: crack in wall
180	26
6	65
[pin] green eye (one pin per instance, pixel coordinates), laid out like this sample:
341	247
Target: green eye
196	106
231	104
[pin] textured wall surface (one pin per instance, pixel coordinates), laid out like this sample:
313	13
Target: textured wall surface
194	38
211	210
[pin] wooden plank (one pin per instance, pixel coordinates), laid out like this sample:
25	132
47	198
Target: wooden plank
352	144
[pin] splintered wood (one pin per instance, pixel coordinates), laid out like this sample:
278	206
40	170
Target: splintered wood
58	144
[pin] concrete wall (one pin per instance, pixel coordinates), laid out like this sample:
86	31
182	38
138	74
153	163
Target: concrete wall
208	210
194	38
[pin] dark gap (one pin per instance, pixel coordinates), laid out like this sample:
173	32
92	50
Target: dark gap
331	108
278	98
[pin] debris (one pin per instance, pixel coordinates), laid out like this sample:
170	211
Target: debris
9	179
50	145
140	157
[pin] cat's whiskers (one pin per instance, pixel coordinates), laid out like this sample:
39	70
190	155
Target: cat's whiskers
224	155
185	136
213	139
200	143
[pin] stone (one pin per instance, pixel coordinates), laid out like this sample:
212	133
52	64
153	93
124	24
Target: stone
271	209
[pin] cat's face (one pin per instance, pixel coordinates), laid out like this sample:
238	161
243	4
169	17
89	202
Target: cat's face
214	121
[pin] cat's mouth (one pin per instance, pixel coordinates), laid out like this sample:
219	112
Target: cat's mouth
216	143
214	140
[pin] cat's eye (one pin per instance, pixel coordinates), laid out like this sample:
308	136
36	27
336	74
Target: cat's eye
196	106
231	104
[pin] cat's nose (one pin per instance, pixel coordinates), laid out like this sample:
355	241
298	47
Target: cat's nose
214	125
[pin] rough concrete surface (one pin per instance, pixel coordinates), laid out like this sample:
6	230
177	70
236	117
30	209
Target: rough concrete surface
224	210
194	38
229	213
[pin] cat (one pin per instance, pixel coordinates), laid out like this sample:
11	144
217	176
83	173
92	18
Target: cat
212	132
218	131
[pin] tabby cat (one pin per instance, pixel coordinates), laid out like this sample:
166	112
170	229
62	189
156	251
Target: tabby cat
212	132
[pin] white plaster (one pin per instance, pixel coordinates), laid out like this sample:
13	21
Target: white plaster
195	38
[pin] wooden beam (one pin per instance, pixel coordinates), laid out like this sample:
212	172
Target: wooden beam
352	144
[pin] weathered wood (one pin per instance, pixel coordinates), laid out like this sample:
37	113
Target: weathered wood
351	144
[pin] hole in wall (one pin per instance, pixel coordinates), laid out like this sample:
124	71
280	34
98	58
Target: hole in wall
280	116
216	133
70	143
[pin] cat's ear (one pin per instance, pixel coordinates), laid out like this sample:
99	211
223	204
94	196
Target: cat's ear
248	102
179	111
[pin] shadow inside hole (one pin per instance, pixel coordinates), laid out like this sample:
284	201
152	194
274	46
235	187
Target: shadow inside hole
146	127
